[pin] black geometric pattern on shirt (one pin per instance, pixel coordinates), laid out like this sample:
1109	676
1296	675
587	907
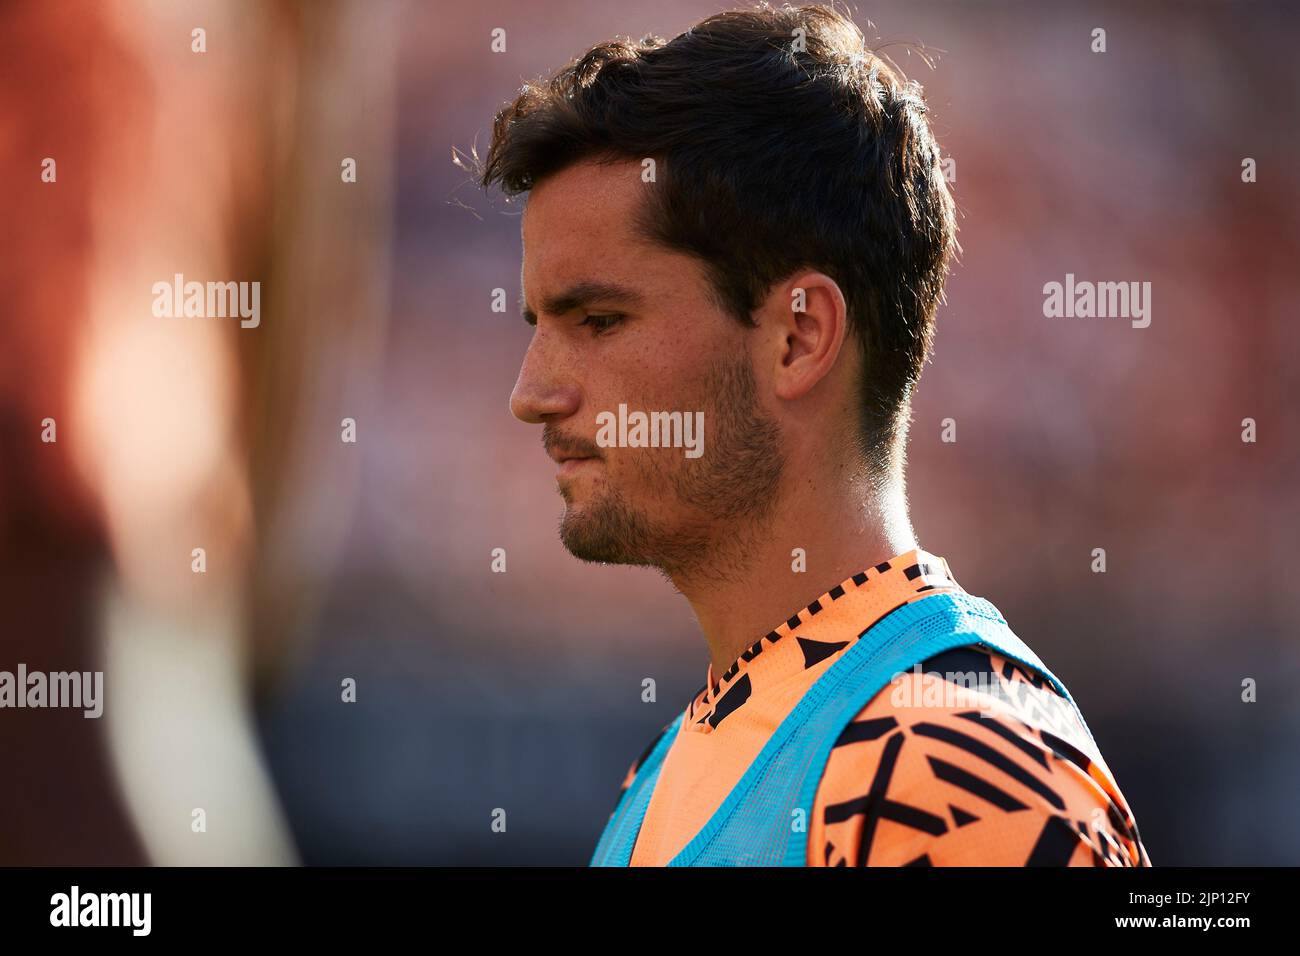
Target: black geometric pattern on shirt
925	569
876	804
1033	698
1098	857
974	785
1117	818
994	758
1067	751
875	800
814	652
872	728
736	695
771	637
1051	844
996	726
967	659
960	817
1123	823
1106	846
1010	668
1042	710
1056	844
1025	697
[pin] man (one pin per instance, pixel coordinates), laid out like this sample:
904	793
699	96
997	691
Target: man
746	228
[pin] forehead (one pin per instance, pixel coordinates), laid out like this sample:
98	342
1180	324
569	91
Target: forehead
584	216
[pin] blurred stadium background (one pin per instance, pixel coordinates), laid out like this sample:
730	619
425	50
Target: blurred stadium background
521	691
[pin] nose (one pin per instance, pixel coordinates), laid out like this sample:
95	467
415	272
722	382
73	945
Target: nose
544	390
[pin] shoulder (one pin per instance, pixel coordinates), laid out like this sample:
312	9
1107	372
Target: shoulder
970	759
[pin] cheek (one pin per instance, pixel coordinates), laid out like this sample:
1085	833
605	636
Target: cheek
643	475
641	467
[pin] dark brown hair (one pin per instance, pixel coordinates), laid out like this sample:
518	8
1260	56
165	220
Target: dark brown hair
771	155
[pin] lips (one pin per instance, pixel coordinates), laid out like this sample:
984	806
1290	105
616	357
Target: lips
569	466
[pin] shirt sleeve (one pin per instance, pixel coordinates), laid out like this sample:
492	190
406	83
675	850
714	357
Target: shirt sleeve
944	770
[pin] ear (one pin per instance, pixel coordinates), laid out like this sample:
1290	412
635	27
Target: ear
810	324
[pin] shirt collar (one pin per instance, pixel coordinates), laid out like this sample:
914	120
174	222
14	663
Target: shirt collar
826	626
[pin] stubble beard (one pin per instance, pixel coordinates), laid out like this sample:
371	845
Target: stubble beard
722	501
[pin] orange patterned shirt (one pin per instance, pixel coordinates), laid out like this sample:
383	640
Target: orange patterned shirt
967	760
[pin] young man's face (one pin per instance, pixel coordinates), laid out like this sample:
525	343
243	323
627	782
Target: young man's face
669	348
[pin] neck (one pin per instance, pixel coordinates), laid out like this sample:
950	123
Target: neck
843	527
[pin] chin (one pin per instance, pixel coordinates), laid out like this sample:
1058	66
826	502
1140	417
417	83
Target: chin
602	533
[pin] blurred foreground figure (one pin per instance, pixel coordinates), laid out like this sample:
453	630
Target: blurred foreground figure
145	455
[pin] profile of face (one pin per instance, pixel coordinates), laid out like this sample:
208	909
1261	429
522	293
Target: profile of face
623	321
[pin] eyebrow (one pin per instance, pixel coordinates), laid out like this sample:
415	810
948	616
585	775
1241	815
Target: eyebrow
579	295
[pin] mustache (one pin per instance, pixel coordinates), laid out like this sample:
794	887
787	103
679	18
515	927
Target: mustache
554	442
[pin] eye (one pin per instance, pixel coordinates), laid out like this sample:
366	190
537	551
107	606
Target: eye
602	323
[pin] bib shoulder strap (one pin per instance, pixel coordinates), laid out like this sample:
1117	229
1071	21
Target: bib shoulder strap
903	639
752	824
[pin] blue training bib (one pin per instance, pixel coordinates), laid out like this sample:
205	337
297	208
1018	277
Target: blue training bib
753	826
